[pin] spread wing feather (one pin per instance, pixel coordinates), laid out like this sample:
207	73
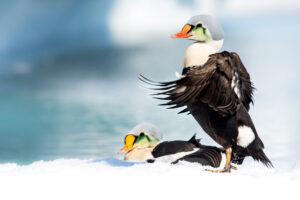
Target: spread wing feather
246	86
213	84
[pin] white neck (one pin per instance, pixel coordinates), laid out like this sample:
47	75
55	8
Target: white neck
197	53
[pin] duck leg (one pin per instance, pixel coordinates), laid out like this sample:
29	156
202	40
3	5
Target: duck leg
228	166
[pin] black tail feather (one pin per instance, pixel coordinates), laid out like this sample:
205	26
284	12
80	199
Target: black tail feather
259	155
184	110
154	83
195	141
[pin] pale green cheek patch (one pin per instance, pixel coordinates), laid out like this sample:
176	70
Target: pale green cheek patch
201	34
144	142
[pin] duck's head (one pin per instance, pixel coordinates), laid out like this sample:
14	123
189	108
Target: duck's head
202	28
143	140
141	136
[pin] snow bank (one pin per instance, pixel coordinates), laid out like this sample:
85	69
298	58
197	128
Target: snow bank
115	179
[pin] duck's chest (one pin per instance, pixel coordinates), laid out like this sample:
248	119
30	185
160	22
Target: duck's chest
139	154
197	54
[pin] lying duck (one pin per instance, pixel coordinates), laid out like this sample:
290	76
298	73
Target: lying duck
144	146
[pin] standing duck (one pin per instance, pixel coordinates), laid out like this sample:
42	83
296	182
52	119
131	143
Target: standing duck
216	89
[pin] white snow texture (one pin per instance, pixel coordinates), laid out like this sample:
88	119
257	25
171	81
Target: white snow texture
114	179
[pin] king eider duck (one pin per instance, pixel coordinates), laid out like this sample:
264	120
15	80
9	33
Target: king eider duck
216	89
144	147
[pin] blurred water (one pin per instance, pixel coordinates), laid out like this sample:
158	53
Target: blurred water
43	30
81	103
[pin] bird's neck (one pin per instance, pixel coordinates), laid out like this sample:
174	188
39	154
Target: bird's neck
198	52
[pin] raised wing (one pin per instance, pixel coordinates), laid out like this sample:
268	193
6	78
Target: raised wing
222	82
245	85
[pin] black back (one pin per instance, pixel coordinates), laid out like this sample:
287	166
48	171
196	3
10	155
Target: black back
173	147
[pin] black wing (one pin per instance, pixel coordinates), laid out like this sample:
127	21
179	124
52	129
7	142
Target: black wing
172	147
210	156
222	82
245	85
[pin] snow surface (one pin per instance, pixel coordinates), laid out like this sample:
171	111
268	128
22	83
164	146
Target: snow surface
115	179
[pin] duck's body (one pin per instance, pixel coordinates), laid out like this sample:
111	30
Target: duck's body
144	149
207	156
171	151
216	89
235	131
190	151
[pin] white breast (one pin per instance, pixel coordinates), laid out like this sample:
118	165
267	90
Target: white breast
139	154
198	52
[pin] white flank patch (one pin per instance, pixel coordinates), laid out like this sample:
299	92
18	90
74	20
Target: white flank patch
173	157
245	136
223	160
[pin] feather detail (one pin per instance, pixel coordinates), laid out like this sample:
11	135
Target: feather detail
214	83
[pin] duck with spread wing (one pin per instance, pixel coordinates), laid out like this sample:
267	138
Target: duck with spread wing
216	89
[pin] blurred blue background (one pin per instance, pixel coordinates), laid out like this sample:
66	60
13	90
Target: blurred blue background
68	71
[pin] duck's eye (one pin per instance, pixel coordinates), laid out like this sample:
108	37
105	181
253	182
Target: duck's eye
192	27
199	25
142	133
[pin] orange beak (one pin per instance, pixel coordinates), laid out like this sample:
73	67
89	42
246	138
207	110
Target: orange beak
125	149
184	32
